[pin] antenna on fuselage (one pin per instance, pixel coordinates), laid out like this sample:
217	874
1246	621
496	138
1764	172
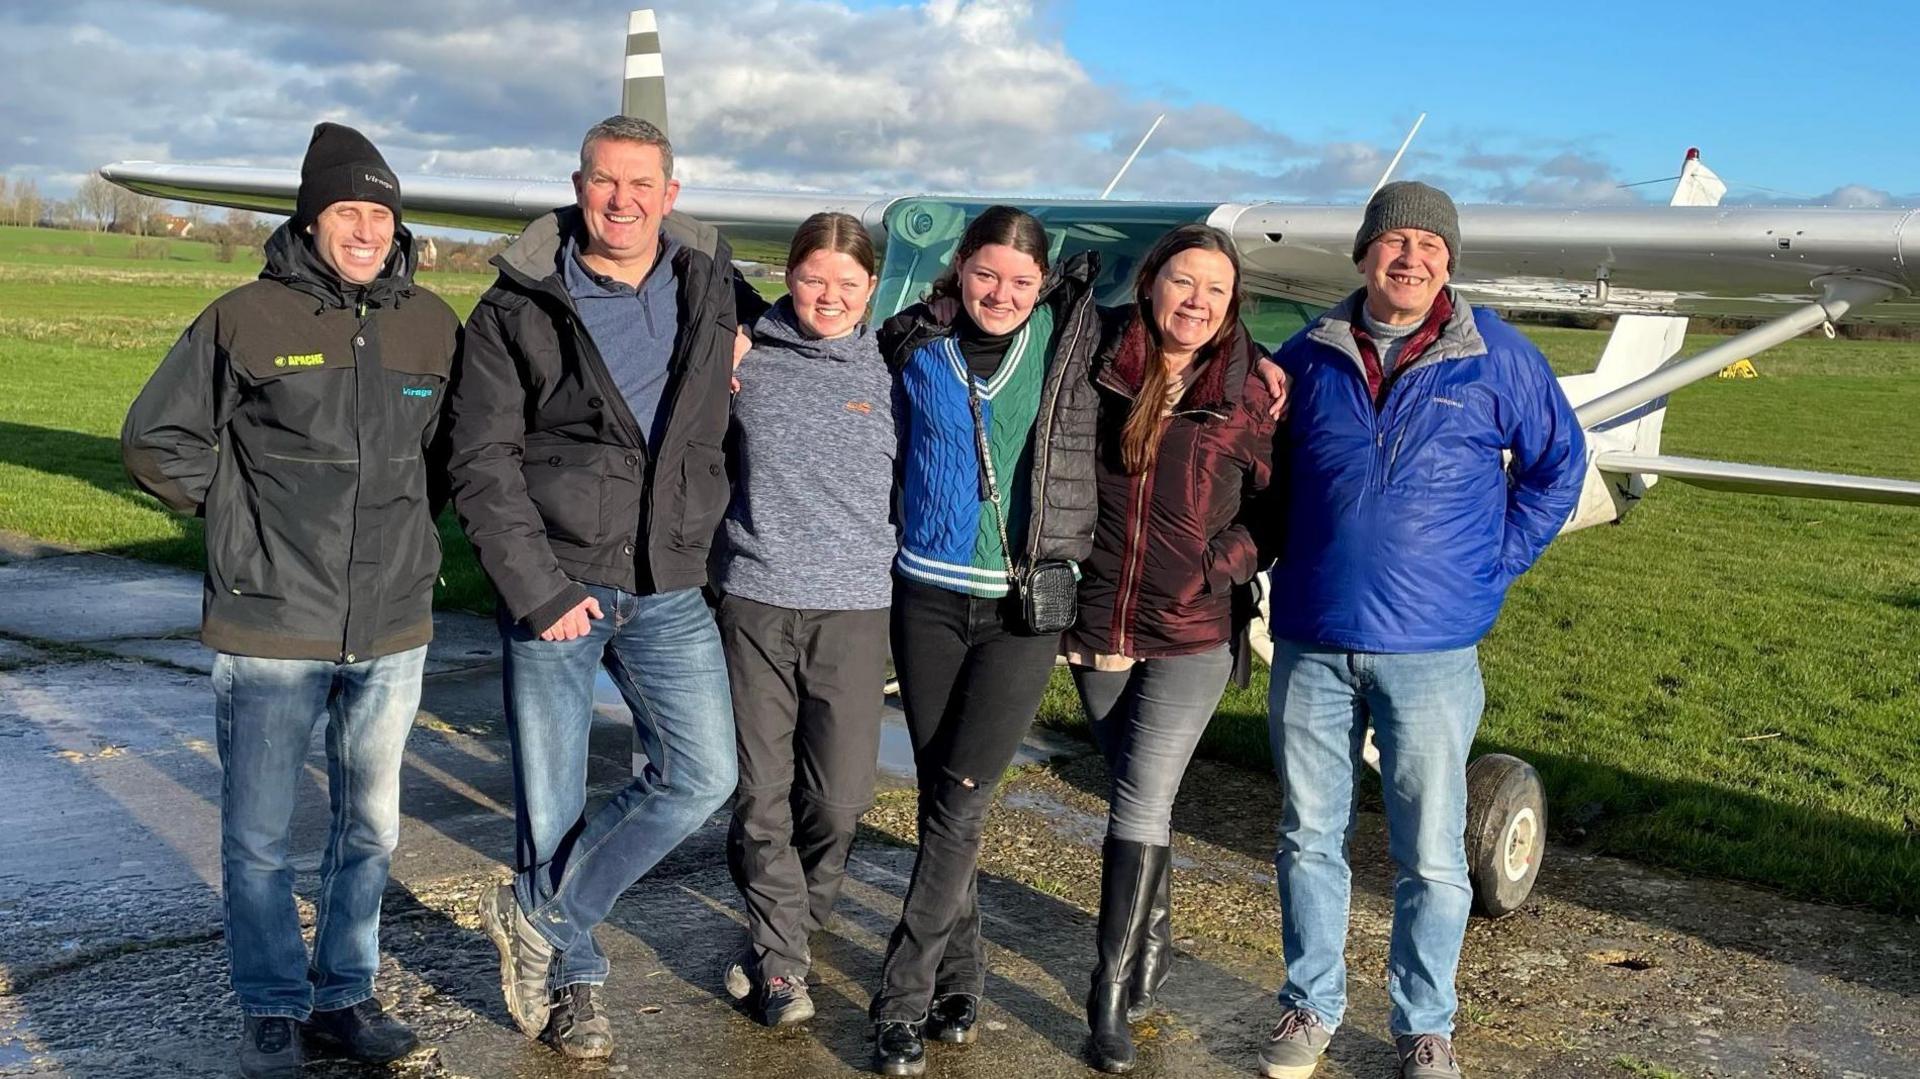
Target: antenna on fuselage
1115	182
1395	163
643	90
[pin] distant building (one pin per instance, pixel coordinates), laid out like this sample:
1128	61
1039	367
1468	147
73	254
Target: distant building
175	226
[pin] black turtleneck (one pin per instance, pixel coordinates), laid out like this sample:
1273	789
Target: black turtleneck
983	351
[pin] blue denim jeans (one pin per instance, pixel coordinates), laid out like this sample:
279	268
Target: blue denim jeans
1424	708
663	653
264	712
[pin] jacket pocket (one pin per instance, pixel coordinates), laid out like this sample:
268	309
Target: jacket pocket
703	493
565	483
234	559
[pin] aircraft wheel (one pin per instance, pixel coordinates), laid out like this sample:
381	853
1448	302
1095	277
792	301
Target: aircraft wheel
1506	832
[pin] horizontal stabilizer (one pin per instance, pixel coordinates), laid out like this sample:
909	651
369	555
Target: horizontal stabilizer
1764	480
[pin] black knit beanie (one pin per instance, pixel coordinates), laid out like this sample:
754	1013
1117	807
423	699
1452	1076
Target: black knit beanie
1410	204
342	166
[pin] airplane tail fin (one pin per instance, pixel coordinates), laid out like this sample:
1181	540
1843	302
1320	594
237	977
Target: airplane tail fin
1639	345
643	90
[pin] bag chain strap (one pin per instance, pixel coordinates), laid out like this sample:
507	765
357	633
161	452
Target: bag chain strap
989	482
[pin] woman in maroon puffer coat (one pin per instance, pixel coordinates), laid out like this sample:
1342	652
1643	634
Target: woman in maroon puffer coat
1186	444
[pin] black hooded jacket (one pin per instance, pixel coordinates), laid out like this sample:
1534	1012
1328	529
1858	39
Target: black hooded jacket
550	470
297	414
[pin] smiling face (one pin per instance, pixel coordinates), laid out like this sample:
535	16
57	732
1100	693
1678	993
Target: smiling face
624	195
998	285
830	290
354	239
1405	269
1190	296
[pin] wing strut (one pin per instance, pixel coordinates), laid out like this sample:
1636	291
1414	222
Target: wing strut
1841	295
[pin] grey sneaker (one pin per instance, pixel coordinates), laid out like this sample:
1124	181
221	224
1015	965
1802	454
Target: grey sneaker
784	1001
1426	1056
739	975
1295	1047
525	956
575	1027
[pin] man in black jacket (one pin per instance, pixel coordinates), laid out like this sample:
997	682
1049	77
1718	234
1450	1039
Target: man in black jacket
296	416
586	417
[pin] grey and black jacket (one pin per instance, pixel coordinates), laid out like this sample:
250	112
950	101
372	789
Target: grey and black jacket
1066	496
550	471
297	415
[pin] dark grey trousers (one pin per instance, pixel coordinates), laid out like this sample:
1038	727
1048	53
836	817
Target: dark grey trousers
806	705
1147	721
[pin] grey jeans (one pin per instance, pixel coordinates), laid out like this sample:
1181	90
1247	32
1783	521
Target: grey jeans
1147	721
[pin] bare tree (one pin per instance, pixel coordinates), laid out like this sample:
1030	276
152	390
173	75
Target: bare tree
26	203
95	200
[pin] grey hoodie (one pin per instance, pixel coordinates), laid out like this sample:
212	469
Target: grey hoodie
812	450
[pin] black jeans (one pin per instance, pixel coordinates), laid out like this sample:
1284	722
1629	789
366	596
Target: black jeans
970	682
806	705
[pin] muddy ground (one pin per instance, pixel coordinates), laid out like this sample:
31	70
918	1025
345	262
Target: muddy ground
112	961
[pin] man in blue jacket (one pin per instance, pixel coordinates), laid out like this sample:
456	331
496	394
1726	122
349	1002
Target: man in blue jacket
1429	459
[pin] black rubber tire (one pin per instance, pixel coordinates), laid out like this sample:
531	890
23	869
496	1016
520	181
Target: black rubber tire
1506	832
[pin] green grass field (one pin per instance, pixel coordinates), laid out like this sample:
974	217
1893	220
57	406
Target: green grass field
1723	684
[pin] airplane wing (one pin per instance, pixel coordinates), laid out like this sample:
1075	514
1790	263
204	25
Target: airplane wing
1644	260
1763	480
482	205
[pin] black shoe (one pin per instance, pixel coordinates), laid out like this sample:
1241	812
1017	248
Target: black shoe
1129	877
1156	952
898	1048
575	1028
270	1048
780	1001
952	1018
364	1032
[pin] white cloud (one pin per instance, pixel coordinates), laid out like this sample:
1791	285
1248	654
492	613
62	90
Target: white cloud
980	96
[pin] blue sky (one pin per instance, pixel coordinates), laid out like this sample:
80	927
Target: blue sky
1527	102
1797	97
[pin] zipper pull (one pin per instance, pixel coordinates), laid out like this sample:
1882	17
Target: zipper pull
363	309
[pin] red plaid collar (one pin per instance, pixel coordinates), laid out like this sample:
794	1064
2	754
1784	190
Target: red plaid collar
1418	342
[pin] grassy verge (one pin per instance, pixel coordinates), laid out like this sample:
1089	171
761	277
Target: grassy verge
1723	684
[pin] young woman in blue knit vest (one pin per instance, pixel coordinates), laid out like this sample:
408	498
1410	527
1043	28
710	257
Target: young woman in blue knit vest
997	418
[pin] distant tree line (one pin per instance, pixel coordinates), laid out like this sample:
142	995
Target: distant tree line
100	206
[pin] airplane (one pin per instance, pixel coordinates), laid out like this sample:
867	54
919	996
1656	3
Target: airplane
1796	269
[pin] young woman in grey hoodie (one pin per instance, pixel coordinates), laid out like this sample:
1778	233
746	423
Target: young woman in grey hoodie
804	570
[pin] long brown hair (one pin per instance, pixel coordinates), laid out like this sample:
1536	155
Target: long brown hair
827	231
1006	225
1140	435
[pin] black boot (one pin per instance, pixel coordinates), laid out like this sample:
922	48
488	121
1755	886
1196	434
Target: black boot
1129	876
1156	953
364	1032
270	1048
953	1017
898	1048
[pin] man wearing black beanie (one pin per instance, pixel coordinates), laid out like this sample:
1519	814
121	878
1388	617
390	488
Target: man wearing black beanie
297	415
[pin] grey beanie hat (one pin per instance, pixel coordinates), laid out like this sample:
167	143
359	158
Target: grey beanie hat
1410	204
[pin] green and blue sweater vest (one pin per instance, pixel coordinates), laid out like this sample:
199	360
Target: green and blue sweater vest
949	538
